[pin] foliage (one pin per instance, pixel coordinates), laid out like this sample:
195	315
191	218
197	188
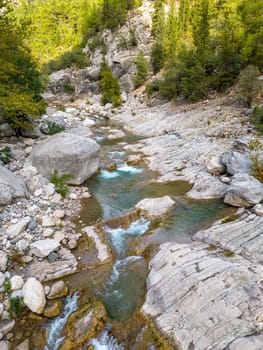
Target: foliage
60	183
141	65
7	287
157	56
247	85
110	86
257	167
203	45
5	155
51	128
69	89
16	306
257	118
20	82
76	57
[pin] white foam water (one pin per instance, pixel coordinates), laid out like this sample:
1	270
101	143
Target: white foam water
105	174
119	265
129	169
105	342
57	325
117	235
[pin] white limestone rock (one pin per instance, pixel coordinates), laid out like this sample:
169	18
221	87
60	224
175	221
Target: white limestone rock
17	282
102	248
34	295
68	154
15	230
44	247
3	261
11	186
215	166
244	191
201	299
156	206
242	236
207	186
236	162
48	221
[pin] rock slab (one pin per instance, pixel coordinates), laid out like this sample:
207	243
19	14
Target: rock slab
201	299
11	186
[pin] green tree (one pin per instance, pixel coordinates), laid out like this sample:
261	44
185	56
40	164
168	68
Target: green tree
110	86
141	65
20	82
247	85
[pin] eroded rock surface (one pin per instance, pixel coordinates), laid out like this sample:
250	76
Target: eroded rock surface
156	206
201	299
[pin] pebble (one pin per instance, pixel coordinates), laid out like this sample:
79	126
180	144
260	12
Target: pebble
48	232
73	196
47	221
59	213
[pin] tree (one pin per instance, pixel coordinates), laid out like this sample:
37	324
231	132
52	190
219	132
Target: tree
110	86
141	64
247	85
20	82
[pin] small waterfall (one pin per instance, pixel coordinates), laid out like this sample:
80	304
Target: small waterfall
125	168
117	235
121	169
57	325
105	342
119	265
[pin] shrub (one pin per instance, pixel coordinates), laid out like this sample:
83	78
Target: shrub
110	86
5	155
247	85
76	57
157	57
133	39
51	128
69	89
257	118
141	64
60	183
257	167
16	306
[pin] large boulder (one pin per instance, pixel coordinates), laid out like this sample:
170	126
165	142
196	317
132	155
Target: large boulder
68	154
156	206
34	295
207	186
236	161
244	191
11	186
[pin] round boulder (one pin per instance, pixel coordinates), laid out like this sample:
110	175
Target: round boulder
34	295
67	153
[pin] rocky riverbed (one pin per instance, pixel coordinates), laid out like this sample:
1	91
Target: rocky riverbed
203	295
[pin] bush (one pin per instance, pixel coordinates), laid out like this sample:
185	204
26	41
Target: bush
69	89
5	155
76	57
51	128
141	65
257	118
110	86
157	57
16	306
247	85
257	167
60	183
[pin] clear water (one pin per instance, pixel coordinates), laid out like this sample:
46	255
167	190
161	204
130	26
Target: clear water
105	342
118	236
54	340
125	287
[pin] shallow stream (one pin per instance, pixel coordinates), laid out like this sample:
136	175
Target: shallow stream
121	284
